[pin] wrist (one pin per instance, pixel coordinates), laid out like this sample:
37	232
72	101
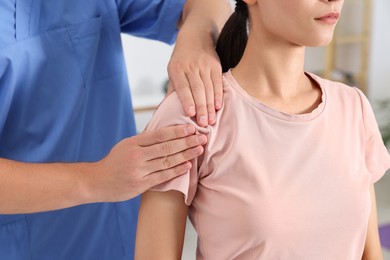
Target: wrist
187	40
202	36
88	188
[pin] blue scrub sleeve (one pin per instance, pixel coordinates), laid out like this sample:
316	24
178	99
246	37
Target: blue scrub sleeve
152	19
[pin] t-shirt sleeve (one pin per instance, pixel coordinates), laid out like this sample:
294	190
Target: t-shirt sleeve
156	19
169	113
377	157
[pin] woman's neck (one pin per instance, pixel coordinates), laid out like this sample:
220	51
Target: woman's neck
274	74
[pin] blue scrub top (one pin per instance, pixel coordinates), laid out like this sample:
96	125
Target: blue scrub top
64	97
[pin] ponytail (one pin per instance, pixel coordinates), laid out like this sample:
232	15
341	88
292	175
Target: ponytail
233	37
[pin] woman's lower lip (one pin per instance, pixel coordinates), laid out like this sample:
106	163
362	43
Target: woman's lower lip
328	20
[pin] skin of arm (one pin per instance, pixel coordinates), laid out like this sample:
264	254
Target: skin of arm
372	248
194	70
133	166
161	226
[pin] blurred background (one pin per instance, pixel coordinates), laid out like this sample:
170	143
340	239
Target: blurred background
359	56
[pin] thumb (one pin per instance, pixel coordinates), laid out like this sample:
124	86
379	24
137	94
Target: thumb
170	88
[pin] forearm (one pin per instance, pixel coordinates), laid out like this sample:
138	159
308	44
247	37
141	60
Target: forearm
133	166
203	20
372	248
29	187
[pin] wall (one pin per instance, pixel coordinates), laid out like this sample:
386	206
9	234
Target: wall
379	81
146	62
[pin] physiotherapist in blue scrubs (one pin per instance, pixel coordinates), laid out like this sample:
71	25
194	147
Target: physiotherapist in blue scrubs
71	166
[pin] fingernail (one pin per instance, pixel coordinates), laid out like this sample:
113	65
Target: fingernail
191	110
211	118
197	150
189	130
203	120
217	104
185	167
201	139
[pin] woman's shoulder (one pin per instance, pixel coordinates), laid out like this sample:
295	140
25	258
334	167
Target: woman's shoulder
348	100
171	104
337	90
169	112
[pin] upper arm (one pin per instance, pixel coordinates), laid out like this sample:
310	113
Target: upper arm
161	225
372	248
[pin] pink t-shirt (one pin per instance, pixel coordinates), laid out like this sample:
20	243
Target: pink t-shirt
273	185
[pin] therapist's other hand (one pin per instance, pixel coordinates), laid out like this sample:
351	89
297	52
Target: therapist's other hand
136	164
195	73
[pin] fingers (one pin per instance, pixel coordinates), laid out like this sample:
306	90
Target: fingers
181	85
198	89
164	134
209	91
162	176
216	78
172	161
173	146
200	93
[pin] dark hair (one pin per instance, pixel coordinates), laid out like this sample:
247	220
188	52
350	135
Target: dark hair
233	38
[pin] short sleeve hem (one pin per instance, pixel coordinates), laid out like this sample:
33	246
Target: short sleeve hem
377	174
377	158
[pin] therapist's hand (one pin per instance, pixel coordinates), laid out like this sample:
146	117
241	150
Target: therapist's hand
138	163
194	70
196	75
